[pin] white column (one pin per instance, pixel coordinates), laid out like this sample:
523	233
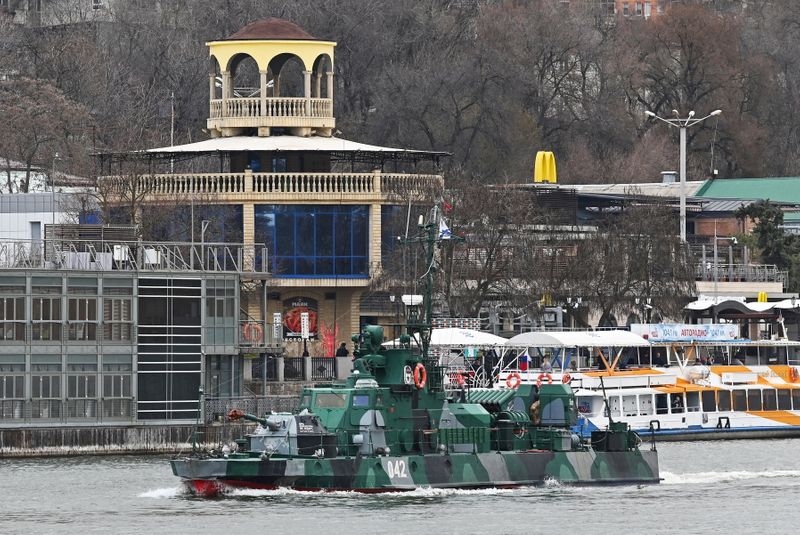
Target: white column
330	84
212	86
307	91
263	93
226	92
683	184
318	85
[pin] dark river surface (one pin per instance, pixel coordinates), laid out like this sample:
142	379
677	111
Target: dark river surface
750	486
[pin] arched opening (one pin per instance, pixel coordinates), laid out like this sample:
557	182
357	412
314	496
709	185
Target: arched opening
319	76
288	76
608	320
244	77
215	76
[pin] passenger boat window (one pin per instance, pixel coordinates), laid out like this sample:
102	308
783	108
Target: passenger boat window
613	403
754	400
645	404
723	400
784	399
739	400
629	405
661	404
676	403
796	398
692	401
330	400
770	399
709	401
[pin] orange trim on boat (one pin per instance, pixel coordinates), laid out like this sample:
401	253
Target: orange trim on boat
734	368
623	373
784	417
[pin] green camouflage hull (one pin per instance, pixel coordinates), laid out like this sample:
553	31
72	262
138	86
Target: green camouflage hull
402	473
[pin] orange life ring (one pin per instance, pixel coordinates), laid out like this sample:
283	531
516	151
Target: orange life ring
566	378
420	376
252	332
513	380
793	374
544	376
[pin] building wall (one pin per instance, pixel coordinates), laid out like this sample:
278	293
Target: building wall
18	211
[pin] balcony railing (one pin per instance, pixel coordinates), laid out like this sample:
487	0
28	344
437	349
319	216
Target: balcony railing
739	273
210	184
274	107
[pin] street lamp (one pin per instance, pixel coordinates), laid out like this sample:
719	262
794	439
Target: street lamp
683	124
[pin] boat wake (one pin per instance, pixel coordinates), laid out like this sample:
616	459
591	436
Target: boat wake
423	492
717	477
163	493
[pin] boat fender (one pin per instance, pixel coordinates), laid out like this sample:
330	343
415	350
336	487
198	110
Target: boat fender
420	376
543	376
566	378
513	380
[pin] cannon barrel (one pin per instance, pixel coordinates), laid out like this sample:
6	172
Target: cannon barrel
236	414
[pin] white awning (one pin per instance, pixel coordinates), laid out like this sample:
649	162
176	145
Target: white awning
454	337
612	338
284	144
705	304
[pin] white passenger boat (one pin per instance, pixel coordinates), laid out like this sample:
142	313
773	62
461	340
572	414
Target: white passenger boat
680	389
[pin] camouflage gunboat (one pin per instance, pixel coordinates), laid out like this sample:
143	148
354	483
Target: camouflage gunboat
394	427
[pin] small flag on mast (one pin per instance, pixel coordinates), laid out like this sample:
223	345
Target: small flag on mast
444	230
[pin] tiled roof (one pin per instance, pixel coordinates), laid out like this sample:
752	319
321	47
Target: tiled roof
271	28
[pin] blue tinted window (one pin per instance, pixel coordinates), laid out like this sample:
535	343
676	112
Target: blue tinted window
314	241
360	401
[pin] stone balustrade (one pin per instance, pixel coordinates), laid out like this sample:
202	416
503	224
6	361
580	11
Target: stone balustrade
273	107
248	184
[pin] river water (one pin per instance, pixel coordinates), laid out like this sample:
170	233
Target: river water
709	487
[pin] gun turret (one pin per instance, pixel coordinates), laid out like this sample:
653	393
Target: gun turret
236	414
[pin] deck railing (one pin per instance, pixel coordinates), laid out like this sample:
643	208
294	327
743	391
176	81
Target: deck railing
210	184
274	107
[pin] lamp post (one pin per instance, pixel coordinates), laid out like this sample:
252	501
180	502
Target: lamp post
56	157
682	125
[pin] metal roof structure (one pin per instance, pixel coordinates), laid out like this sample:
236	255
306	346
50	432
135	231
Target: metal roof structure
779	189
611	338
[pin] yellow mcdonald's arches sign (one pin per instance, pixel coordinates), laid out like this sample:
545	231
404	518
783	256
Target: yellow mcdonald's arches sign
762	297
544	169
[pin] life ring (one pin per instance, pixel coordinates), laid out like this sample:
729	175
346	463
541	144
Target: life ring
252	332
566	378
544	376
420	376
513	380
793	374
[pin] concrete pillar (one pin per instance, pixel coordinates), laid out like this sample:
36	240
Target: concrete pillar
248	234
318	85
330	84
344	366
212	89
226	92
263	93
306	368
307	91
374	240
279	368
248	180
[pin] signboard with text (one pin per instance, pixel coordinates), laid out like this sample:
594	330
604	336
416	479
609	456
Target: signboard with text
684	332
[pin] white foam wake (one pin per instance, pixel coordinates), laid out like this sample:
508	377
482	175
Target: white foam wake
716	477
422	492
162	493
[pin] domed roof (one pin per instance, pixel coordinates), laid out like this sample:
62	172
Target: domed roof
271	28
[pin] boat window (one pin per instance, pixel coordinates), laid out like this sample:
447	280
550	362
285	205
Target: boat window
709	401
754	400
629	405
645	404
676	402
784	399
585	405
692	401
378	400
613	404
796	398
360	401
770	400
330	400
739	400
724	400
661	404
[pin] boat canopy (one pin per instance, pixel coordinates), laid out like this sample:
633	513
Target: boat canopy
611	338
705	304
453	336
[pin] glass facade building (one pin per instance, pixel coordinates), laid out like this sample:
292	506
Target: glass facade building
314	241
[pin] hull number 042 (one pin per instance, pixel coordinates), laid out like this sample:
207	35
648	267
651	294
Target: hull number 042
396	468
